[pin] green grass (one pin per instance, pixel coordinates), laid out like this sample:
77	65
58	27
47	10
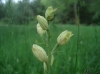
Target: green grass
16	55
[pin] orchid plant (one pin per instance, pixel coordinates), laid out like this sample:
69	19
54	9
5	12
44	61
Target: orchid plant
42	28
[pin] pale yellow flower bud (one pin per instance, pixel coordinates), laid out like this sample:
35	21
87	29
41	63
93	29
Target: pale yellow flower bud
49	14
40	30
44	66
43	22
64	37
52	59
39	53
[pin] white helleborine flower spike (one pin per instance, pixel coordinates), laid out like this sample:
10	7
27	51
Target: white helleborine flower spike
43	22
64	37
40	30
39	53
49	14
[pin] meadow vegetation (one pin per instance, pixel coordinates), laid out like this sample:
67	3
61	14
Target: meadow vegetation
16	55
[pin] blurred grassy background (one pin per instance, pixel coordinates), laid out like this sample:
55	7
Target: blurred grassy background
16	55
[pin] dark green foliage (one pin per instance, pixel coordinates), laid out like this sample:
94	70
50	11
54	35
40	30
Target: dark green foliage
88	10
2	14
22	12
25	11
16	55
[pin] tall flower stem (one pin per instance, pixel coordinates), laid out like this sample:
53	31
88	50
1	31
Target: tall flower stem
77	23
76	63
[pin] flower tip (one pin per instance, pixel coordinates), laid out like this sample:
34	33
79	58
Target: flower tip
38	16
72	34
55	9
33	45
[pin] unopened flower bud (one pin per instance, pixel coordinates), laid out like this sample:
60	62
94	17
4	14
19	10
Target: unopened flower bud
64	37
43	22
45	66
52	59
49	14
39	53
40	30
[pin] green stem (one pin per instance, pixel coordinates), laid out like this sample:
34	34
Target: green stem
96	34
76	10
53	50
77	51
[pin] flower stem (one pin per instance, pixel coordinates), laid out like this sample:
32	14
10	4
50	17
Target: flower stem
53	50
76	62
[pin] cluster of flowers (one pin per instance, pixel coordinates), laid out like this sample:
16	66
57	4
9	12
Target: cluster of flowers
42	28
